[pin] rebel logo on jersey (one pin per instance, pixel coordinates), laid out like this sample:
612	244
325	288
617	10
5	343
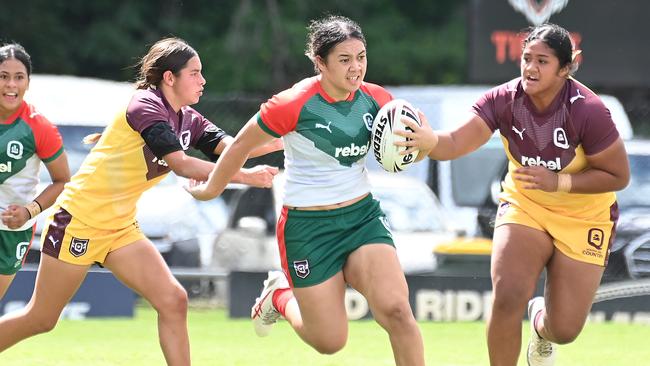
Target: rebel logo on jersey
554	165
352	150
5	167
155	167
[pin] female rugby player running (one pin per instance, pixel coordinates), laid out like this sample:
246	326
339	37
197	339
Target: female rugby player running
557	210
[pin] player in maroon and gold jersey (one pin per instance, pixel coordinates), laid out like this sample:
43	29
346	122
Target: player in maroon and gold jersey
558	208
331	231
27	138
94	217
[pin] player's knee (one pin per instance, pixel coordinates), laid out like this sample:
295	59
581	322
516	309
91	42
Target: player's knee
43	324
396	314
509	298
174	301
563	332
329	346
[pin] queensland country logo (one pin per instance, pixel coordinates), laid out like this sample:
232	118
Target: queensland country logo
538	11
302	268
78	247
595	238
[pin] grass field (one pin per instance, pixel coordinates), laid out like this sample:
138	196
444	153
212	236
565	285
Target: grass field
217	340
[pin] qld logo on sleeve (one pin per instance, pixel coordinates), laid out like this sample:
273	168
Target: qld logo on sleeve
184	139
302	268
78	247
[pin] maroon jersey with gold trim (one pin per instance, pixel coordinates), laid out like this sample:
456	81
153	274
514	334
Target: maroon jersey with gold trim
105	190
576	124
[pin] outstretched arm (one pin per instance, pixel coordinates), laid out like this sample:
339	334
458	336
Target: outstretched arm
228	167
445	145
272	146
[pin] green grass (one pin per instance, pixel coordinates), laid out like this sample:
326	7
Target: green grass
217	340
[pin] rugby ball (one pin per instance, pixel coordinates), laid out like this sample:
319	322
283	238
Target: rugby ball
388	120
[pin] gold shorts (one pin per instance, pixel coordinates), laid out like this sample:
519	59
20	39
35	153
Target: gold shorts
585	240
70	240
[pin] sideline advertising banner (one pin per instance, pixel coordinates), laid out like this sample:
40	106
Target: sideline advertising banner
100	295
453	298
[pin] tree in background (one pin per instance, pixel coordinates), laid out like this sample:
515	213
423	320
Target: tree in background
247	46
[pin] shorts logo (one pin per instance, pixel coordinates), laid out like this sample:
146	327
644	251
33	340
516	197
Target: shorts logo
78	247
301	268
595	238
384	221
503	207
21	250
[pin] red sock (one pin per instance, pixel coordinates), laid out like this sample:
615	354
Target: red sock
280	299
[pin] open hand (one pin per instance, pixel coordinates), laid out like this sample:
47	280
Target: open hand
536	177
198	190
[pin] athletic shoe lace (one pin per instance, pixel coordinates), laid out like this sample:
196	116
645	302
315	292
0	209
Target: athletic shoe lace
544	348
270	316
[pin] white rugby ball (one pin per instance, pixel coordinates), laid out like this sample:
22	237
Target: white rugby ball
388	120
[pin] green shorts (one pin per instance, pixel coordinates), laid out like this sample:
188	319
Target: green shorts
314	245
13	248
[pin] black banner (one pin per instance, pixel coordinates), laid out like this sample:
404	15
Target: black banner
612	35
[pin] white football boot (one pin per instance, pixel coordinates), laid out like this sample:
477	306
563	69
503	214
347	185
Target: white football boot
263	313
540	351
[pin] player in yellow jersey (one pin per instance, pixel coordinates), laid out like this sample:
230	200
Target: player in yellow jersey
558	209
93	220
